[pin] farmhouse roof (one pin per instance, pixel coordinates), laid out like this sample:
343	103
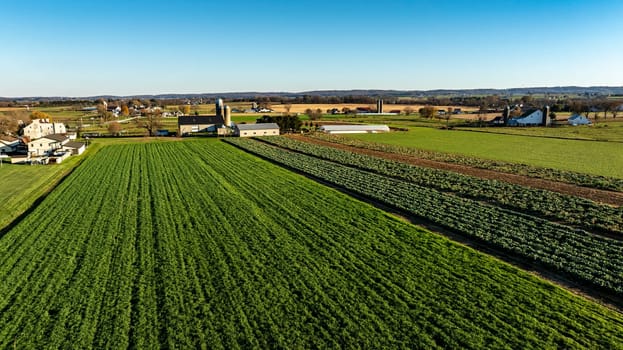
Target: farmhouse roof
56	137
199	119
73	144
257	126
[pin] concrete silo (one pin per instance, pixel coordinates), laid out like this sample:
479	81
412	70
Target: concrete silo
546	120
227	116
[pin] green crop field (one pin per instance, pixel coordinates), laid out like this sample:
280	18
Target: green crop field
591	157
603	131
196	244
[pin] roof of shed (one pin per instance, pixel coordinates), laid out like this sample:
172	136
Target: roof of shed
56	137
74	144
354	127
257	126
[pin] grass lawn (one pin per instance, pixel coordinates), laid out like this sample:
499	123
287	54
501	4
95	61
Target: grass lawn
23	184
592	157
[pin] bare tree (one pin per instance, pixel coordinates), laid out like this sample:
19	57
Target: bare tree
428	112
614	108
287	107
114	128
151	121
408	110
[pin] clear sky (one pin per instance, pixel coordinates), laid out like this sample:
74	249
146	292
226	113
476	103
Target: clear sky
85	48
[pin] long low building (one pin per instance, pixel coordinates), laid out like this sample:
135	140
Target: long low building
258	129
353	129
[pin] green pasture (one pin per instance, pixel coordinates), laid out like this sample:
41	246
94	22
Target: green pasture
606	130
21	185
591	157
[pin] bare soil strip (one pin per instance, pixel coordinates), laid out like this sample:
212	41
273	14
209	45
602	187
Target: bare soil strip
602	196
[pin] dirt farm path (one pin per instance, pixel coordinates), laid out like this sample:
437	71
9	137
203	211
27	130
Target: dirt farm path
602	196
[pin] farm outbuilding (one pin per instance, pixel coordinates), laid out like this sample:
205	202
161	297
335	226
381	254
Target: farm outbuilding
8	145
258	129
532	117
353	129
578	119
76	148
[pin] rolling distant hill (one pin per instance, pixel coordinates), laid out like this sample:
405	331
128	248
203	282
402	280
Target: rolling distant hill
558	90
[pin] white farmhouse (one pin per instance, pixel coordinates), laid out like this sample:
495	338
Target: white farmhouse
42	127
46	145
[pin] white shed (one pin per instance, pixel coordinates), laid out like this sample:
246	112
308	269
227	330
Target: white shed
353	129
578	119
258	129
76	148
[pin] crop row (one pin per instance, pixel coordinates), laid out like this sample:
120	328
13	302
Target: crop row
196	244
586	257
586	180
554	206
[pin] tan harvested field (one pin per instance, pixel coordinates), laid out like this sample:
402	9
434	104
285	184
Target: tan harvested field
9	109
301	108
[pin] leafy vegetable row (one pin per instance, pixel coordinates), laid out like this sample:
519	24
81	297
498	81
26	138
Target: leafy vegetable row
585	257
555	206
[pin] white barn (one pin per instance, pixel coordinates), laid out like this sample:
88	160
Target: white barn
353	129
530	118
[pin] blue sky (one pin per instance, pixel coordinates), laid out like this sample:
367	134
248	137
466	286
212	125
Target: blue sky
66	48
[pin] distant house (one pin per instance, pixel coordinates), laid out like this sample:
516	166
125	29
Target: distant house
47	145
353	129
578	119
39	128
75	148
8	144
198	124
258	129
115	110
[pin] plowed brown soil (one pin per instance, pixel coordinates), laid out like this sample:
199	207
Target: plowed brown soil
602	196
